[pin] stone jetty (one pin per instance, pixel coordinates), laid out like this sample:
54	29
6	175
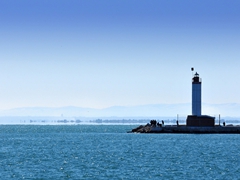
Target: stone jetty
154	127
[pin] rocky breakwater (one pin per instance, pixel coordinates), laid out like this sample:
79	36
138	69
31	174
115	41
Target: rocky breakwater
142	129
155	127
148	128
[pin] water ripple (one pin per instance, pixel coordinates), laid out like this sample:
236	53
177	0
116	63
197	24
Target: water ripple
107	152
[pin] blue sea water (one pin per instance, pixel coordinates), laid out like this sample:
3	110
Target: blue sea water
108	152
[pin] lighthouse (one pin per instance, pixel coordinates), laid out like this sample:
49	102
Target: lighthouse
196	95
197	119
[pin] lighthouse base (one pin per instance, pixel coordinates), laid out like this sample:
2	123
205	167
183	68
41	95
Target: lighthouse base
200	121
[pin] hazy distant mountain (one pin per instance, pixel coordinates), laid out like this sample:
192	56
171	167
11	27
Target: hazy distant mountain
162	110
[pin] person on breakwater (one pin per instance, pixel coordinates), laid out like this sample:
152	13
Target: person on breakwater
159	125
153	123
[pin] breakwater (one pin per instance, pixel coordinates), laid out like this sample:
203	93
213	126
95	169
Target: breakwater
186	129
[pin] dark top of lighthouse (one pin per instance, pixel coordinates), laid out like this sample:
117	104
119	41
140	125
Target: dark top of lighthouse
196	79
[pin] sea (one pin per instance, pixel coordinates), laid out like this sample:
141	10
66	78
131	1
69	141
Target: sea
109	152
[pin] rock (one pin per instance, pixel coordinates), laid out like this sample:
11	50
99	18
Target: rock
138	128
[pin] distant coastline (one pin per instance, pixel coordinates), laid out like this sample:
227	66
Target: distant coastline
53	120
138	111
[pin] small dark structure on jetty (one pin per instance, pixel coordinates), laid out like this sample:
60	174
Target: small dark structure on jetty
195	123
199	121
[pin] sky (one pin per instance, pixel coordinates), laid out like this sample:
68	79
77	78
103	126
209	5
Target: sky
97	54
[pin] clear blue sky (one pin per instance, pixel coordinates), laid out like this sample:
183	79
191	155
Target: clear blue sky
92	53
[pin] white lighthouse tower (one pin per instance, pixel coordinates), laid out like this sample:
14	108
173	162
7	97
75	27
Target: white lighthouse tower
196	95
197	119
